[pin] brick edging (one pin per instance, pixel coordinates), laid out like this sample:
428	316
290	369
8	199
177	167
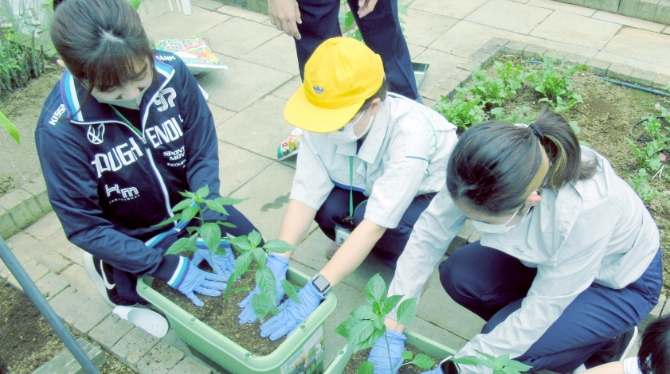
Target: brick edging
23	206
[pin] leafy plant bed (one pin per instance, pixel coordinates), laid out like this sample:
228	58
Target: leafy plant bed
28	341
301	352
222	315
603	121
360	356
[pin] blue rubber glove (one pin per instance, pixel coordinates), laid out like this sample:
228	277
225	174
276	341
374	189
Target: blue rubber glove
279	266
293	314
223	264
437	370
200	281
379	354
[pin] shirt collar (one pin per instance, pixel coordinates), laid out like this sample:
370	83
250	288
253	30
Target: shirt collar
373	142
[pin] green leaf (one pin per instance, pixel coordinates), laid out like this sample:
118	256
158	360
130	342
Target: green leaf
240	243
371	340
183	204
177	246
468	360
407	355
407	311
361	332
242	263
423	361
213	205
260	256
575	127
265	280
518	366
363	312
255	238
367	367
278	246
202	192
291	291
226	224
345	327
261	305
228	200
10	127
349	21
174	218
135	3
375	289
390	303
211	235
189	212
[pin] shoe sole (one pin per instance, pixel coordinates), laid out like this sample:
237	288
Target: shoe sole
89	266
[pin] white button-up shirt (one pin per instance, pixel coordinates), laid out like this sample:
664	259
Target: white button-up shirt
595	230
404	155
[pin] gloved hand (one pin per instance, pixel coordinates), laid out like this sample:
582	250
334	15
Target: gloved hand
196	280
379	354
223	264
293	314
279	266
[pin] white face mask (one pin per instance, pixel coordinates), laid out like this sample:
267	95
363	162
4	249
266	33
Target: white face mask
126	103
498	228
347	134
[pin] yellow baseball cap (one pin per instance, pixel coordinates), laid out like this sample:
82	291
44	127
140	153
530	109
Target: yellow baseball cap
341	74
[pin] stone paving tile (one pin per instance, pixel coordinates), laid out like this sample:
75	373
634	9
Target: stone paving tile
110	331
415	50
509	16
577	30
628	21
177	25
422	28
266	197
26	247
22	206
34	270
436	333
637	63
148	11
50	285
287	90
259	128
238	36
642	45
457	320
241	13
449	8
241	85
159	359
220	114
440	65
189	366
77	277
558	46
466	37
666	30
134	345
206	4
312	251
45	226
568	8
58	243
7	225
237	166
278	54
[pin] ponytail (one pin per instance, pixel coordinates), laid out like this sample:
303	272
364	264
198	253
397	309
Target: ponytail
495	163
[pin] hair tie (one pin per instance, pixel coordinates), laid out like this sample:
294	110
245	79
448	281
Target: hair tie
536	130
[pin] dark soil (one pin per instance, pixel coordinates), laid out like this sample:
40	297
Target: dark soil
222	315
28	341
358	357
605	118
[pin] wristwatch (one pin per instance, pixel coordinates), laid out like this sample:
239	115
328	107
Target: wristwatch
321	283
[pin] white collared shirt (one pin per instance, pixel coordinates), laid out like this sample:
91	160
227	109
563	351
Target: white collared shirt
596	230
404	155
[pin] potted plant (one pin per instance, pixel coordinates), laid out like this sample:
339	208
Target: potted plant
301	352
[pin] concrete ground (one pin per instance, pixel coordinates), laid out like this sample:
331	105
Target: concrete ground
248	100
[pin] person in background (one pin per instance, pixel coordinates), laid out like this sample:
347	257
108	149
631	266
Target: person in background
124	131
569	262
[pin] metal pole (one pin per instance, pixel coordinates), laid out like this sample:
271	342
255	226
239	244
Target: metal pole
43	306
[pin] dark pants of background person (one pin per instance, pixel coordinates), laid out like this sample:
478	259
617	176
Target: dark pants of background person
389	247
493	284
380	30
126	282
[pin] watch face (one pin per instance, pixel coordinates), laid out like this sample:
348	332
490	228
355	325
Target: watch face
321	283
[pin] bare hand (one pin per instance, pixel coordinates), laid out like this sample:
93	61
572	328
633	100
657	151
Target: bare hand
366	7
285	15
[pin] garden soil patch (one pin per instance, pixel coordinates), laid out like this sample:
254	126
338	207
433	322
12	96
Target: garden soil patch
28	341
358	357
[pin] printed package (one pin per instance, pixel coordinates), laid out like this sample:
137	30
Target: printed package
194	52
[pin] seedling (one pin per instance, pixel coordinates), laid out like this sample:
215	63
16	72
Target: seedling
500	365
366	324
248	247
10	127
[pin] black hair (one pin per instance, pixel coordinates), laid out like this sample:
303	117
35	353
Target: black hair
494	163
654	353
100	41
380	94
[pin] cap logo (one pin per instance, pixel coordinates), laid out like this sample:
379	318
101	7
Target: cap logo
318	90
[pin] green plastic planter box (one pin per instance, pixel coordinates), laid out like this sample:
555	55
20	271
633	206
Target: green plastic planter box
427	346
301	352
